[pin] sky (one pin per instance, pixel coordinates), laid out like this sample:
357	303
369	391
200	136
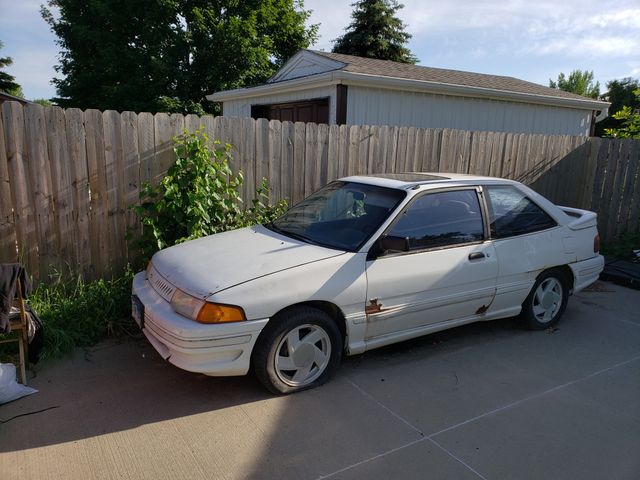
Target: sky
531	40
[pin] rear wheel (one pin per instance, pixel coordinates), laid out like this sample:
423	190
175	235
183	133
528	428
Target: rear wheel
547	300
301	349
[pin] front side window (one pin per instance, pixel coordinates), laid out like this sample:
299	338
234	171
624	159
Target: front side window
441	219
342	215
511	213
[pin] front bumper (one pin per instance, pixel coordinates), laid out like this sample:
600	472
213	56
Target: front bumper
217	350
586	272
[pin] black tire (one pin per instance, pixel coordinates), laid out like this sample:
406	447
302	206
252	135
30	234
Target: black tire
318	351
547	300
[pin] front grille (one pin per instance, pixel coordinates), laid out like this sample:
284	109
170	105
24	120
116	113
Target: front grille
160	285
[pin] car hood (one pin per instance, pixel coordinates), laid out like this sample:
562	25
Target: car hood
211	264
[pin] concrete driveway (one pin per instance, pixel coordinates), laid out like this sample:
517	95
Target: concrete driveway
485	401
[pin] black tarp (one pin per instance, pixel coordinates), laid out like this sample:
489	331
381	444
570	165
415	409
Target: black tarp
622	272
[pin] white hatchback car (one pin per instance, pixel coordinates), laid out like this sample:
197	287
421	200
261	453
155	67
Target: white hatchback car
362	263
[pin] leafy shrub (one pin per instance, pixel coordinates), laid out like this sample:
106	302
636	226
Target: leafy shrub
630	127
199	196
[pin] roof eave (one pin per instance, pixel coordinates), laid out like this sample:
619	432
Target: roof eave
394	83
301	83
362	79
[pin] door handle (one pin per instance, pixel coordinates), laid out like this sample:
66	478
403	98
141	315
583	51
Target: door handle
476	256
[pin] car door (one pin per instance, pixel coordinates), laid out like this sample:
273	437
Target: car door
446	270
527	240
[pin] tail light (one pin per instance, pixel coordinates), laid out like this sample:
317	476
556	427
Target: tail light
596	243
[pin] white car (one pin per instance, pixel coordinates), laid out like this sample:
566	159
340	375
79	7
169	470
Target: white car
364	262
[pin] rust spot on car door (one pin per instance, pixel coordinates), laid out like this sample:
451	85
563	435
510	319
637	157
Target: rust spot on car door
374	307
482	310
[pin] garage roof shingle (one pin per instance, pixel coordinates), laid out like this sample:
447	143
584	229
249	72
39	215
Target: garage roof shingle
386	68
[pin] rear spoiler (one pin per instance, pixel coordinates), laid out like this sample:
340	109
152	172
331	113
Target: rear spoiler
581	218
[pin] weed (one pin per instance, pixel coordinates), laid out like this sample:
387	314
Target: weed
77	313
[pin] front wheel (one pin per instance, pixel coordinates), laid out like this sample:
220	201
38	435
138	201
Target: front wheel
300	350
547	300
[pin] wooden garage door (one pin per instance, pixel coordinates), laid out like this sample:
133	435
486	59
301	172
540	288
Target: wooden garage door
316	111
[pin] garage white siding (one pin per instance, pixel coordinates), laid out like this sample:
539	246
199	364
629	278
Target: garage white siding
376	106
242	108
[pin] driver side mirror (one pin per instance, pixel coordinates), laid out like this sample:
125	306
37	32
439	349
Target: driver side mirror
391	244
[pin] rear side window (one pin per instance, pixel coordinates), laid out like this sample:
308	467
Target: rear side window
511	213
441	220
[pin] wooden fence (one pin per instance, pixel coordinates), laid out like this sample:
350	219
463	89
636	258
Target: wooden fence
68	177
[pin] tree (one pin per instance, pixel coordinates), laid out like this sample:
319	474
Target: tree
43	101
375	32
630	121
166	55
620	93
8	82
579	82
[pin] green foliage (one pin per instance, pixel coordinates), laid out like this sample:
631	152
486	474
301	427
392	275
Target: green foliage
166	55
630	118
80	314
7	82
43	101
199	196
375	32
579	82
620	94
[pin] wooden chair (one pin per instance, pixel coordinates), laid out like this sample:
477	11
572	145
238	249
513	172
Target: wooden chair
19	332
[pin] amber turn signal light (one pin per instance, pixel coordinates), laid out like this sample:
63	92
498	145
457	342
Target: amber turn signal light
218	313
596	243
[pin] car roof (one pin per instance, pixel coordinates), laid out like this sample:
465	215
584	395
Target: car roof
409	180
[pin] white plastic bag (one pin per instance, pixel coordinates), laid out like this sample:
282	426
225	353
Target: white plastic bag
10	389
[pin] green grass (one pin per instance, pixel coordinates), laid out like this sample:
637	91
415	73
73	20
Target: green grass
80	314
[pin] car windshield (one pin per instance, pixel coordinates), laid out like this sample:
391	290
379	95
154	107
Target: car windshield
342	215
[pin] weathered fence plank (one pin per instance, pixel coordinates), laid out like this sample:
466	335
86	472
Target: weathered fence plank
298	172
614	165
99	205
146	146
262	151
62	194
432	150
114	174
616	191
131	187
333	152
275	144
192	123
8	251
40	180
79	177
322	155
245	140
166	127
287	161
634	208
311	161
17	166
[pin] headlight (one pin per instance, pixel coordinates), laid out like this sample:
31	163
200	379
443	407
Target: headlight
205	312
185	304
